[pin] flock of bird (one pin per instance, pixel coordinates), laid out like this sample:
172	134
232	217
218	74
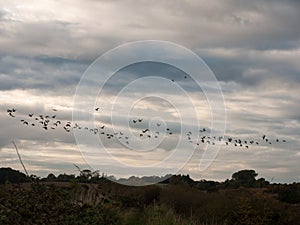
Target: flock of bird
51	122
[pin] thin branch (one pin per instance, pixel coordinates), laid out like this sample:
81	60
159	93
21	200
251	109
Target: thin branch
20	158
77	167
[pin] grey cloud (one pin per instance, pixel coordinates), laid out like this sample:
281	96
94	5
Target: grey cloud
3	14
41	73
252	68
257	67
254	25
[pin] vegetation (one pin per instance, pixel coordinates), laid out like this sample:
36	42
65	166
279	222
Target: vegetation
13	176
92	199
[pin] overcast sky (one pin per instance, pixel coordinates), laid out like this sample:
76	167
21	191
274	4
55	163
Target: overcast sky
252	48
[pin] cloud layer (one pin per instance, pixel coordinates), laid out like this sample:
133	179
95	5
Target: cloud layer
252	48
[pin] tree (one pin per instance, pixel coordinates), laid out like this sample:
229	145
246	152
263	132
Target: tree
261	182
65	177
245	177
13	176
87	175
51	177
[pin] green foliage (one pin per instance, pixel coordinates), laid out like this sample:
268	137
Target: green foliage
65	177
12	176
290	194
43	204
245	177
151	194
181	179
163	215
242	200
197	204
51	177
207	185
255	208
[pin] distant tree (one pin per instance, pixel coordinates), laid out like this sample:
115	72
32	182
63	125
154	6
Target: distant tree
51	177
182	179
12	176
245	177
88	175
261	182
65	177
207	185
34	177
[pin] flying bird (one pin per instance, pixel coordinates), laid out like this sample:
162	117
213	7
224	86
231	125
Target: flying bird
46	120
11	114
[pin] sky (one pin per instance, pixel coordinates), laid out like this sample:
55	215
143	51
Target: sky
251	48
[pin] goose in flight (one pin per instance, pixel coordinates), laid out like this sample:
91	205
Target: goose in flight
47	120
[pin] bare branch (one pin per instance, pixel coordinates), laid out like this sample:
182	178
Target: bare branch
20	158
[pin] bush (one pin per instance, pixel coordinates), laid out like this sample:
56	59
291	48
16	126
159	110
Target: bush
151	194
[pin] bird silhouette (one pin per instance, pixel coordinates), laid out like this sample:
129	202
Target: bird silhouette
11	114
52	123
